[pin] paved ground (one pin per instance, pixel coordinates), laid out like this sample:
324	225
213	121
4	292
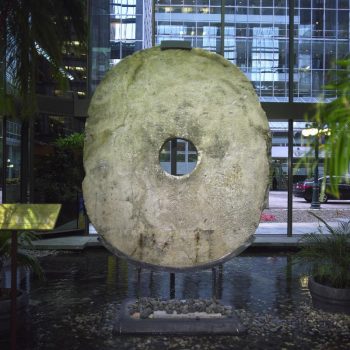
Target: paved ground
278	199
332	211
270	234
305	216
272	231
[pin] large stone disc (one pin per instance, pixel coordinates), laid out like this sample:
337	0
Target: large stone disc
147	215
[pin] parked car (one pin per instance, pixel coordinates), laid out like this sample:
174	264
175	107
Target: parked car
303	189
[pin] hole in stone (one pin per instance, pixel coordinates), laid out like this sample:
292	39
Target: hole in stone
178	156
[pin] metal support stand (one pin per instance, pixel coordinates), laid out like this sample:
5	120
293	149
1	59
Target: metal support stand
290	179
213	283
138	282
172	285
17	217
217	279
86	224
173	154
220	281
173	171
13	289
291	4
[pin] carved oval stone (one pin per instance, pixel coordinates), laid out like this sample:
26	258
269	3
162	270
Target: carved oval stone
142	212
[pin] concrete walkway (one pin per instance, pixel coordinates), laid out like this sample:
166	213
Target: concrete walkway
267	235
80	243
299	228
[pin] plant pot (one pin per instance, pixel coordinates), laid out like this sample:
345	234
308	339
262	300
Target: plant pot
5	311
329	299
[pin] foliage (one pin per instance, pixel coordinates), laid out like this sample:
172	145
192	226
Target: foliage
327	256
336	117
31	32
73	141
24	259
59	174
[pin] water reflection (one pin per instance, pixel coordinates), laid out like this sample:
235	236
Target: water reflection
247	281
83	293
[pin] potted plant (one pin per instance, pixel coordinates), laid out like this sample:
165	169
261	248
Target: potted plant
24	260
327	258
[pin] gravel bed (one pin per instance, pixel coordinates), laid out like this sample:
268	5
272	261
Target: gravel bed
79	310
292	328
145	307
303	215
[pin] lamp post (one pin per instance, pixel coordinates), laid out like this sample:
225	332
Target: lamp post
315	202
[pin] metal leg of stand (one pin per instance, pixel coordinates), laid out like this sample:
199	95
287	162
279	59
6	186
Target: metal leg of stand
13	290
220	280
214	283
172	285
138	293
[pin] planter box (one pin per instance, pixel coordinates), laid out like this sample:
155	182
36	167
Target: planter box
181	325
329	299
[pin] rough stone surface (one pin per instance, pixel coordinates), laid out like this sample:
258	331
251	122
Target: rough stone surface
152	217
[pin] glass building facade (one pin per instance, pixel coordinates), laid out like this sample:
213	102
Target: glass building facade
10	160
255	35
288	49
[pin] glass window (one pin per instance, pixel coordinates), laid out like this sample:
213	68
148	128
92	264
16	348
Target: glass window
255	37
13	161
342	49
330	23
343	24
185	159
343	4
280	3
328	27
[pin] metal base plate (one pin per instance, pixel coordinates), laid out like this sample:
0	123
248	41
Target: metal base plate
125	325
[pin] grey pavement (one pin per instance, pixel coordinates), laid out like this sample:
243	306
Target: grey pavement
268	234
298	228
278	200
67	243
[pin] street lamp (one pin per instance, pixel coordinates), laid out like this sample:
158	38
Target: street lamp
315	202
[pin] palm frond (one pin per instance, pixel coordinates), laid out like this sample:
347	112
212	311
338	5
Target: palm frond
31	263
24	257
336	117
28	25
329	228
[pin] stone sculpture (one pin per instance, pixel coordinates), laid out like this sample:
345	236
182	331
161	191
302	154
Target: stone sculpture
147	215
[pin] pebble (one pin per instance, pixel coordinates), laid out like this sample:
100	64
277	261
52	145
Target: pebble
280	215
146	306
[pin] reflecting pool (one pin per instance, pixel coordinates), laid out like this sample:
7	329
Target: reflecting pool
75	308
